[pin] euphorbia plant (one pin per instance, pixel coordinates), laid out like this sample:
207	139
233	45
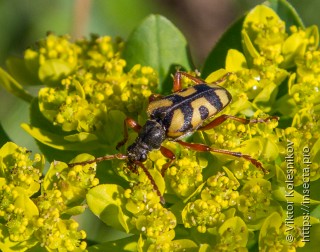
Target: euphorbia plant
213	202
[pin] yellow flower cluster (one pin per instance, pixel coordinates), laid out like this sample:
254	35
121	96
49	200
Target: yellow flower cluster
29	218
185	174
274	235
255	201
268	36
51	48
150	218
89	80
53	231
207	212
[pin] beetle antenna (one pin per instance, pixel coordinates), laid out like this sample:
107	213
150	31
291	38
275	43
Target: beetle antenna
122	156
99	159
155	187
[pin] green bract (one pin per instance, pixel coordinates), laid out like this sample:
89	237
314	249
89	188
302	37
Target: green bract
213	202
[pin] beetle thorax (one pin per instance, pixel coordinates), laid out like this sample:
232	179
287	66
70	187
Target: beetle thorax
150	137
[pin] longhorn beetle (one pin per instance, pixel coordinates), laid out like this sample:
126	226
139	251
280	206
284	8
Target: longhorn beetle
175	116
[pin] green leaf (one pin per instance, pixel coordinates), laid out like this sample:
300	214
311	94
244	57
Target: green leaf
266	97
301	220
54	70
81	137
75	210
238	226
231	176
286	12
296	45
37	248
249	49
82	158
105	201
37	120
51	177
4	138
272	222
156	42
195	193
126	244
114	132
235	61
315	151
59	142
158	179
184	245
230	39
216	75
30	210
205	248
281	194
286	105
13	87
18	69
6	151
314	243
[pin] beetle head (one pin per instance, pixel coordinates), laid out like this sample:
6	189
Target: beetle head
137	152
150	137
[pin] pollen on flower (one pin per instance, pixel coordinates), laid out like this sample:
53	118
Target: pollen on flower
95	182
231	126
60	118
233	78
259	61
241	128
293	28
125	97
127	193
220	139
202	229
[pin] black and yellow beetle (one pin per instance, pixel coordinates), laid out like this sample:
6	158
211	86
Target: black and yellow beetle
173	117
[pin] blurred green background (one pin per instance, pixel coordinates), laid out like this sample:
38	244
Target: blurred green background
23	22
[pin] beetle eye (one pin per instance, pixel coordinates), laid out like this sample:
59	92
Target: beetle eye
143	157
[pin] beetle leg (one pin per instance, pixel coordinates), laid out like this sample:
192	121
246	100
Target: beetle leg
177	80
222	79
168	154
205	148
217	121
133	125
154	97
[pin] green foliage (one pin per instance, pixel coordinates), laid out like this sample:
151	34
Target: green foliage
86	89
159	44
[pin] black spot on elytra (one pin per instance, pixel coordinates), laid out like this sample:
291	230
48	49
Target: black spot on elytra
204	112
